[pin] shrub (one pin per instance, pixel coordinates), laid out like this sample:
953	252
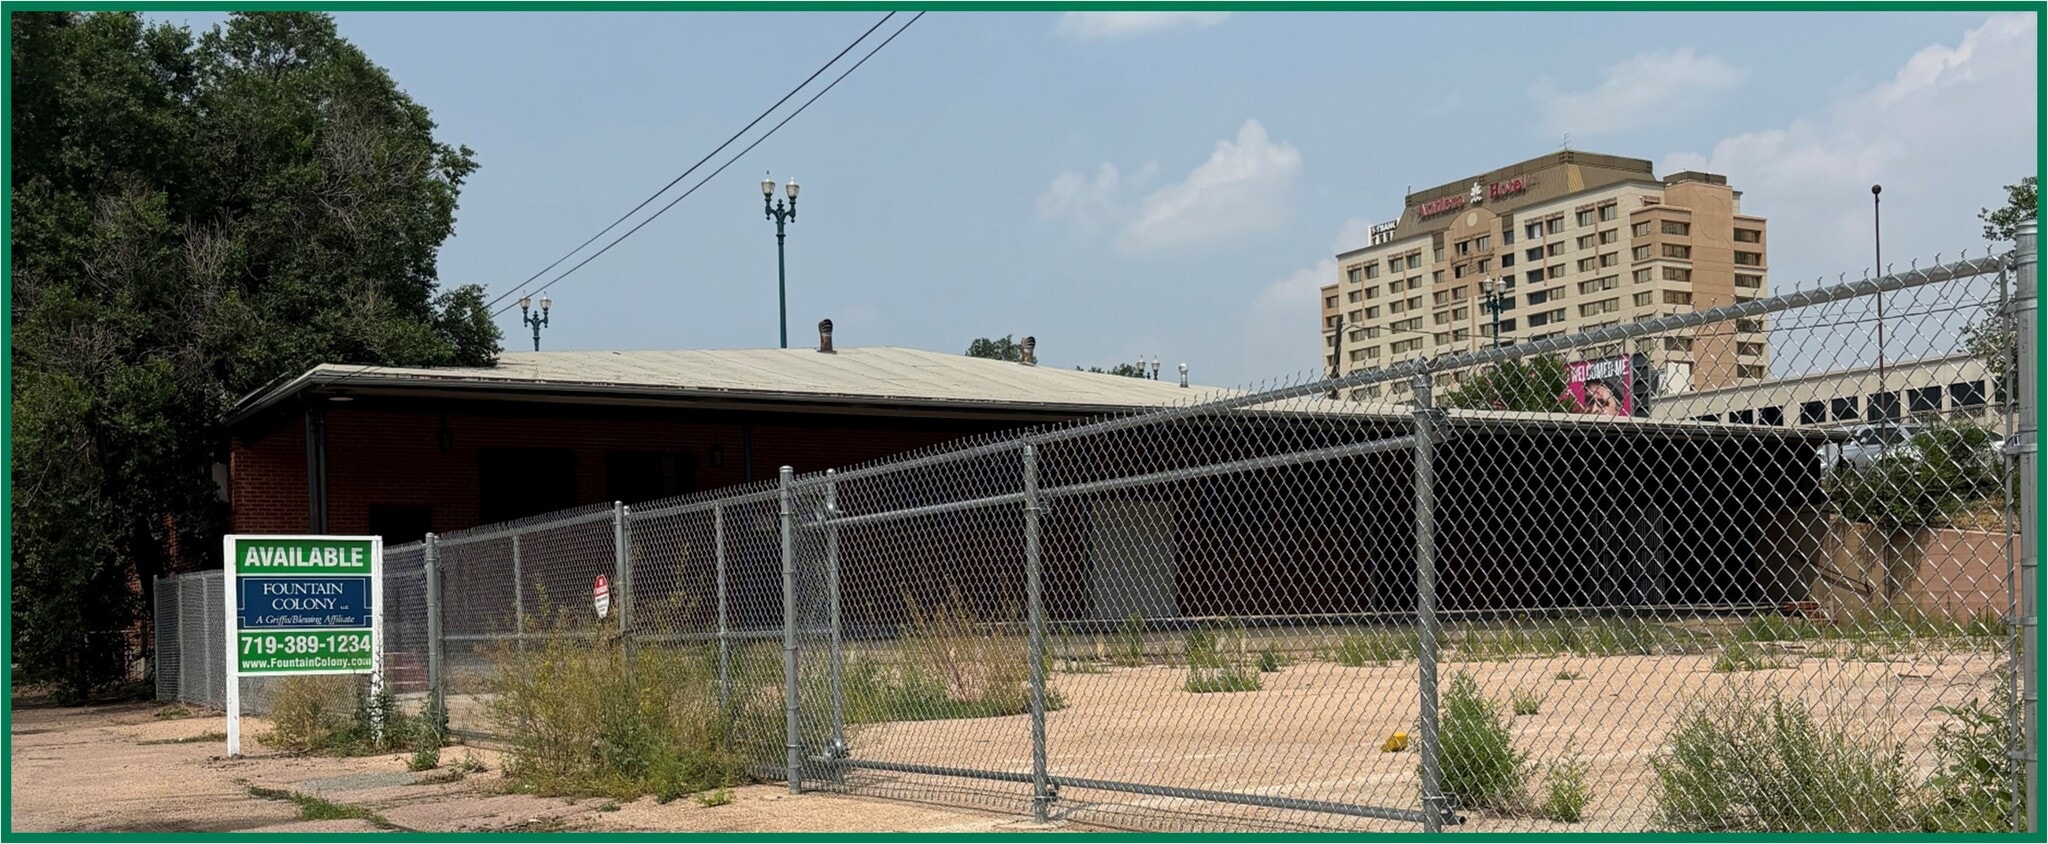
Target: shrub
1953	471
1752	763
1971	790
579	719
948	666
1564	789
1212	670
1131	640
1481	768
1741	657
332	715
1526	702
1374	649
1271	660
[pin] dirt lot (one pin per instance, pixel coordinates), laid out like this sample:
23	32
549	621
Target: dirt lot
120	768
1313	731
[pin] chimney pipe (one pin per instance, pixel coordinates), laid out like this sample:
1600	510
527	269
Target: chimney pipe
825	336
1183	375
1030	352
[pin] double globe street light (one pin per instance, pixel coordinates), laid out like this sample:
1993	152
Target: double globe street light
781	214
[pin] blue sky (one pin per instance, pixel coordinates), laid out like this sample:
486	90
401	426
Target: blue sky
1157	184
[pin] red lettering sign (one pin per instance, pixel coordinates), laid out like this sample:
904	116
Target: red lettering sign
1508	188
1439	206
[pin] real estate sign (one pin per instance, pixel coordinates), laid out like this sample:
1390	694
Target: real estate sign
301	605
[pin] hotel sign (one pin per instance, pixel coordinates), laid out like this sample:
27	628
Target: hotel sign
1480	193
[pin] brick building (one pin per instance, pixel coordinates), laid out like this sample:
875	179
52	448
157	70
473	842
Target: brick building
401	452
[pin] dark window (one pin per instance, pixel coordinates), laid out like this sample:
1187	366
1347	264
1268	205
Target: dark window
636	476
1507	325
1883	406
1813	412
1711	417
1966	394
1770	415
1507	260
1923	399
518	482
1743	417
401	523
1538	297
1843	409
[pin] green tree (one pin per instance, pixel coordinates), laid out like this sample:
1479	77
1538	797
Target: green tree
1534	385
192	218
1001	349
1124	369
1991	338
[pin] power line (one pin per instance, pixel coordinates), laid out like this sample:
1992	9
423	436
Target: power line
728	163
700	162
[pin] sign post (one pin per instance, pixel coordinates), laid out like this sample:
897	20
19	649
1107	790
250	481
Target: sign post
301	605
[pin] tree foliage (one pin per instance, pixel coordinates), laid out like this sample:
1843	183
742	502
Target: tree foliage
1124	369
1532	385
193	217
1991	338
996	349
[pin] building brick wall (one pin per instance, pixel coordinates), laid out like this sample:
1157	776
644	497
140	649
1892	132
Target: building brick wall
391	455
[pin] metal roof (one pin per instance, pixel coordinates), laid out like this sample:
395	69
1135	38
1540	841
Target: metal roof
871	375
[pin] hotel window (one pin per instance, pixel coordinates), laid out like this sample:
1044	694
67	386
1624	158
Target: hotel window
1464	247
1557	271
1643	299
1749	349
1397	307
1458	271
1507	233
1441	317
1354	316
1678	344
1677	250
1640	253
1436	254
1610	235
1507	260
1586	241
1748	236
1586	265
1372	292
1675	227
1487	263
1459	294
1372	312
1460	313
1601	307
1352	275
1749	259
1677	273
1640	229
1556	249
1397	286
1415	261
1484	243
1329	301
1642	275
1554	225
1538	297
1749	282
1605	282
1610	259
1677	297
1535	276
1607	212
1752	326
1441	297
1372	270
1534	231
1435	277
1585	218
1352	296
1414	303
1535	254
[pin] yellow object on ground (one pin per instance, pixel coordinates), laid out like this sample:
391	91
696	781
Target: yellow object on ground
1395	743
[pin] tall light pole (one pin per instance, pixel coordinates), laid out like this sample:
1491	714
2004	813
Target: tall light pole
1491	292
1877	244
780	214
538	321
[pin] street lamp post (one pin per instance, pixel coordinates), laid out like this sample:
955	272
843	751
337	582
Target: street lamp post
538	321
781	214
1491	291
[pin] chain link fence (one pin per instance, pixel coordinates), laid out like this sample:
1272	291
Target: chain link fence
1613	581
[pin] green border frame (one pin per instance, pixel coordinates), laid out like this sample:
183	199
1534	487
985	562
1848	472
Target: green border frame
2039	8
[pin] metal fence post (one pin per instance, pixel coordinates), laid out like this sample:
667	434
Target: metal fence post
1041	795
622	555
518	593
2027	443
437	699
792	742
832	614
724	643
1425	600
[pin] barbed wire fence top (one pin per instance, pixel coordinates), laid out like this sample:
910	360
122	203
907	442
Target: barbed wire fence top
1695	572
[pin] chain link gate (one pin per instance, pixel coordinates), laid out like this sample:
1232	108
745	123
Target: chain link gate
1440	594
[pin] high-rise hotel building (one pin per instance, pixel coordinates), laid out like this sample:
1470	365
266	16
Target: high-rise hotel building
1564	243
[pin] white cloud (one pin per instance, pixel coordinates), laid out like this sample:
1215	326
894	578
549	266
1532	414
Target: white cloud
1122	24
1632	92
1955	123
1243	187
1279	336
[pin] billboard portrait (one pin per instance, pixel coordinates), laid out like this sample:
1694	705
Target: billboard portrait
1616	386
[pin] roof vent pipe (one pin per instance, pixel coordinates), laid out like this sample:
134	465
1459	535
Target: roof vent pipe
1183	375
1029	355
825	336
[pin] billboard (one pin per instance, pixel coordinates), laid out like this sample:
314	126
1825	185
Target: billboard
1615	386
300	605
